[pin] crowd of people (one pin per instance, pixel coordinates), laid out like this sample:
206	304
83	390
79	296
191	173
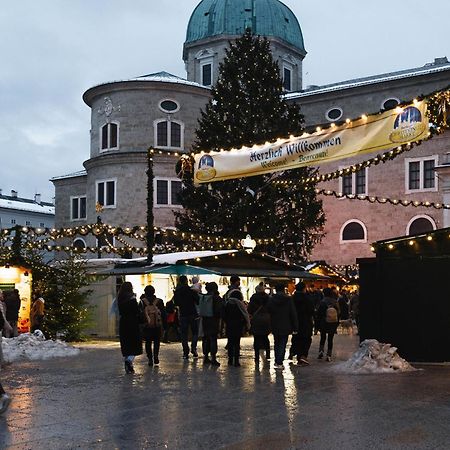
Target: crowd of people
192	314
10	303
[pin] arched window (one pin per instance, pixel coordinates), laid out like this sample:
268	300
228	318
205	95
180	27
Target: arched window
353	231
169	133
420	224
109	136
79	244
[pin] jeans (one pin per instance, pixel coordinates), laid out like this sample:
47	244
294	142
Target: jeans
280	342
304	344
152	336
323	337
209	345
186	323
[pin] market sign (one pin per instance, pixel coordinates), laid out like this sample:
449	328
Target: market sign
367	134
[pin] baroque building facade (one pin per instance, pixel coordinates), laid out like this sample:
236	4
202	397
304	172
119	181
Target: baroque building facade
160	110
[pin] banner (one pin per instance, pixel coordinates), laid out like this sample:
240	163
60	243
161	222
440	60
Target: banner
367	134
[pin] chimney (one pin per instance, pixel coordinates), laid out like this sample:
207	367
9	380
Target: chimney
13	193
37	198
442	60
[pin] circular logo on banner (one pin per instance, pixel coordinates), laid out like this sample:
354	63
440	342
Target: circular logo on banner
206	171
407	126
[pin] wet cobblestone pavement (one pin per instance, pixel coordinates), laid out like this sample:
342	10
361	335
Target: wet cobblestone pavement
88	402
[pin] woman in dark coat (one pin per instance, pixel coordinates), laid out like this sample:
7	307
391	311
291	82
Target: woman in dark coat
130	336
260	321
236	318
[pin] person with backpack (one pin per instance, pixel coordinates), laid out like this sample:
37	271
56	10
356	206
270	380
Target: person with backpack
152	314
260	322
210	310
187	300
328	319
236	319
172	322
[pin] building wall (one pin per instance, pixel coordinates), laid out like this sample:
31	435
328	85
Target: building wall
136	107
12	217
215	48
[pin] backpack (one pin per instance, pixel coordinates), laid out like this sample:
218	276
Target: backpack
205	305
152	316
331	315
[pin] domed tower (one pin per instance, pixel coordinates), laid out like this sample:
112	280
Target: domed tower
215	22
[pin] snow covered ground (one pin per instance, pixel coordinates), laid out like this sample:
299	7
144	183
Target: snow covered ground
375	357
34	347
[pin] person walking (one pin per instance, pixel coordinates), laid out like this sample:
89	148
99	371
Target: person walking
153	314
5	328
37	312
130	336
12	302
304	306
187	300
236	319
5	399
283	321
328	318
210	310
260	322
171	321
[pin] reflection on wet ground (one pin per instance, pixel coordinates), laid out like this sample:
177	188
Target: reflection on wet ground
88	402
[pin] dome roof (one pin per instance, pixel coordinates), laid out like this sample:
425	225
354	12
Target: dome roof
269	18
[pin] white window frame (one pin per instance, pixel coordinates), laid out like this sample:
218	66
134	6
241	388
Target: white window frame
97	182
169	100
421	174
355	241
78	197
108	149
205	57
420	216
291	70
331	109
389	98
207	62
169	192
169	141
341	181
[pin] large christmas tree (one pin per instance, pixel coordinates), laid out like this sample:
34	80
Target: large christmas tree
247	108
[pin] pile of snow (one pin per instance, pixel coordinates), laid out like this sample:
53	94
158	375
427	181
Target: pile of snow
34	346
376	357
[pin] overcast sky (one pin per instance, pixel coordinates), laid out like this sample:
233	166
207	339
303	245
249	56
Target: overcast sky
53	50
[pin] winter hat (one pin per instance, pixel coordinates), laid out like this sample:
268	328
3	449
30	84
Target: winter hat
260	288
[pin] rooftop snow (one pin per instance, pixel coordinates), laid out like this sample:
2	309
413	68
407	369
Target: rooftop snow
425	70
161	77
80	173
23	204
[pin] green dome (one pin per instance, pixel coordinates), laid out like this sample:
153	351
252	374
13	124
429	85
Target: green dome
269	18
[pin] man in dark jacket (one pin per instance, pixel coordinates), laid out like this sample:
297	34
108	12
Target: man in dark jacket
304	305
283	322
187	300
260	321
12	302
328	318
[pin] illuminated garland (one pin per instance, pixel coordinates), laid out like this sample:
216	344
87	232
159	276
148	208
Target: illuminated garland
382	200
